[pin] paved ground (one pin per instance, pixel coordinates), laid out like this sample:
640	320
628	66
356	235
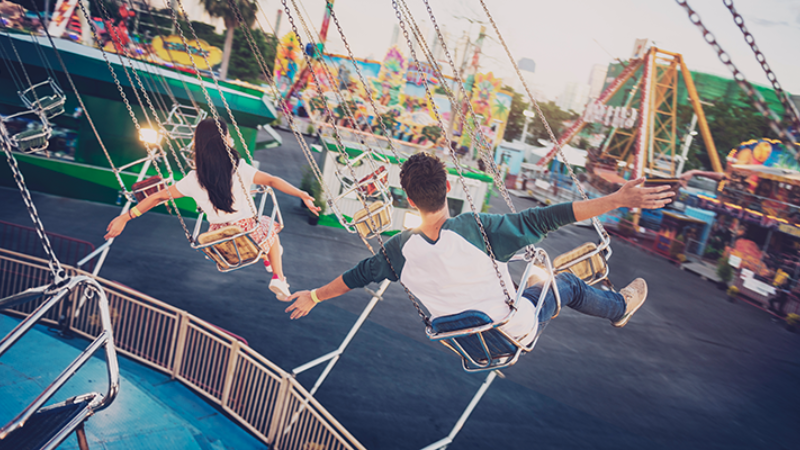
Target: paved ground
691	370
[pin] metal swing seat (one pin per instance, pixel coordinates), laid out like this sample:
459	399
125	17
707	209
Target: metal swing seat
182	121
376	217
482	344
51	104
232	248
46	427
34	138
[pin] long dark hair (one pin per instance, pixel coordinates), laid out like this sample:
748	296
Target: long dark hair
213	163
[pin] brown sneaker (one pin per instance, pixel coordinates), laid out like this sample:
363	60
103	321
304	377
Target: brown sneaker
635	295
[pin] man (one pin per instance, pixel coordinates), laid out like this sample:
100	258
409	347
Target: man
446	265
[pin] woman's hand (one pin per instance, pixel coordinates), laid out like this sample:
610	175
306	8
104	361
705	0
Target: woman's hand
116	226
309	201
631	195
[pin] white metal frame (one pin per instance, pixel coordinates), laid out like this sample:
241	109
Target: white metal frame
54	102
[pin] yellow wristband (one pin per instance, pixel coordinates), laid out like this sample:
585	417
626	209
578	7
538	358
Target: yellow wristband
135	211
314	296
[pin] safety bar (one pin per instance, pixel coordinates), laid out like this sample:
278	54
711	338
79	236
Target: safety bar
105	339
333	356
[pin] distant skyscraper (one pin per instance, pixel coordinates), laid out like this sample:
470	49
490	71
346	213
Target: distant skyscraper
574	97
597	79
527	67
395	35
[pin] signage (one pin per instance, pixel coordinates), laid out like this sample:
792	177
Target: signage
61	15
610	116
171	49
789	229
734	261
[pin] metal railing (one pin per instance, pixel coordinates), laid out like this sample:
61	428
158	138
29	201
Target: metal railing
255	392
22	239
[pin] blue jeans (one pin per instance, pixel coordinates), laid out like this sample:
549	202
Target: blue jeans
579	296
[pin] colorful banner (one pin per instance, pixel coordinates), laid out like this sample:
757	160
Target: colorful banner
171	49
61	16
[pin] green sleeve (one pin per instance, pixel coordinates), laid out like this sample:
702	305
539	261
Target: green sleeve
376	268
508	233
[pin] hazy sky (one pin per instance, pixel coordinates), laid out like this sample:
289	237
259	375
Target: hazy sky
567	37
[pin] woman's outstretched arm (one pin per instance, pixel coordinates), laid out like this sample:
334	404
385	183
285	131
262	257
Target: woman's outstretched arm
282	185
116	226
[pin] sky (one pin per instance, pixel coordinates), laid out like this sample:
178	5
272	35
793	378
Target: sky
566	38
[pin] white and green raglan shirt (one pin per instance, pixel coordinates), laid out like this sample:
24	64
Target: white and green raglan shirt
455	273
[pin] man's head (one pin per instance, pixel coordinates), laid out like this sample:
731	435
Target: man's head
424	179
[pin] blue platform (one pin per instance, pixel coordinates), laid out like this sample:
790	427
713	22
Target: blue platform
152	411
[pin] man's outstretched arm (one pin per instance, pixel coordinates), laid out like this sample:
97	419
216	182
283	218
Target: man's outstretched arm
304	301
628	196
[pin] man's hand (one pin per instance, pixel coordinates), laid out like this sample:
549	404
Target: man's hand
631	195
302	305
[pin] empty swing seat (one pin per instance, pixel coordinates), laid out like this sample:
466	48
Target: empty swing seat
230	247
30	141
145	188
49	426
381	219
51	105
591	270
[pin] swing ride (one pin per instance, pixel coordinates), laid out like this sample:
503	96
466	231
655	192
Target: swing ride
478	340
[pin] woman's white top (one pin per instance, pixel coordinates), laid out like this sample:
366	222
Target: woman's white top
190	187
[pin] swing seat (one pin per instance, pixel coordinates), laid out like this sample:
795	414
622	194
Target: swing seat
473	336
230	247
30	141
145	188
51	106
381	215
370	184
585	262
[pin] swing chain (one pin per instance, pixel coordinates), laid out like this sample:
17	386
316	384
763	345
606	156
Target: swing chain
213	109
475	214
597	224
127	194
367	87
477	133
755	97
136	124
55	266
791	111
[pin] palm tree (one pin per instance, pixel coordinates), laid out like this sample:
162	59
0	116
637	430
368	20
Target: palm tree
223	9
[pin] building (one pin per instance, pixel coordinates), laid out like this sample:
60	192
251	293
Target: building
597	79
574	98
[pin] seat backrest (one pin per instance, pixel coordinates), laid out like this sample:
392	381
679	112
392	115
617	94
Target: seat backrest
147	187
499	345
586	270
225	253
364	225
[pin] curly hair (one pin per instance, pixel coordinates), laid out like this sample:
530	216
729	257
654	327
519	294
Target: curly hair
424	179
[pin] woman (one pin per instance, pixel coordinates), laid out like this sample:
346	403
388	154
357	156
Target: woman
216	189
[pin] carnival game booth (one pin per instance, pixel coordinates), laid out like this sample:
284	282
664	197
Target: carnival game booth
760	204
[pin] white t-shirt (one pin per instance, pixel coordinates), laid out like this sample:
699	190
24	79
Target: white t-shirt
190	187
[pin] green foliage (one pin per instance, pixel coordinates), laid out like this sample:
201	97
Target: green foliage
309	183
244	65
724	270
431	133
730	124
516	119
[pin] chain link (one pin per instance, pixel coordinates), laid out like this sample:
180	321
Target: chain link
211	106
477	133
475	214
790	110
55	266
597	224
135	121
755	97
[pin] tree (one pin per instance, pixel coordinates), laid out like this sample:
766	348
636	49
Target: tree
243	64
555	118
730	124
516	120
223	9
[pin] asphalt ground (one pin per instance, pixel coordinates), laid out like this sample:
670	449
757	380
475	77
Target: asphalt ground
690	370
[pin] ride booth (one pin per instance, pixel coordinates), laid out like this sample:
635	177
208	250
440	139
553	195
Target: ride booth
676	231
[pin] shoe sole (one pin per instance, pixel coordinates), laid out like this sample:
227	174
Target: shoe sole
622	322
279	294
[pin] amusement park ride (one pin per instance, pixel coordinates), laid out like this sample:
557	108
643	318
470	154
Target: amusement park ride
643	140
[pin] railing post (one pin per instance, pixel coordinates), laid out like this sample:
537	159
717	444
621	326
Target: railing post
183	326
231	369
281	408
